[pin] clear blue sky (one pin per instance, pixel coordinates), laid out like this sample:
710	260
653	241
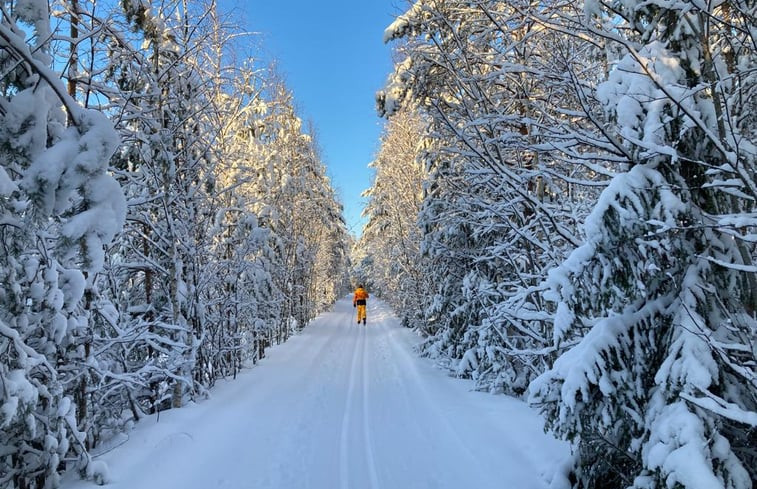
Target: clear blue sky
332	57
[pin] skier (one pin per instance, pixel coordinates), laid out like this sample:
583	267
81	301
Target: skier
359	301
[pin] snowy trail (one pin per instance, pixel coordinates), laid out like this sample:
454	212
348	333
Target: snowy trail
340	406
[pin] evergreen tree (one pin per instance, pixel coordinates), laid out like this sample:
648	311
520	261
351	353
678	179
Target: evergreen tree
59	209
657	388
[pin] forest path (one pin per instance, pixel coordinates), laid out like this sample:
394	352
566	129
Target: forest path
344	406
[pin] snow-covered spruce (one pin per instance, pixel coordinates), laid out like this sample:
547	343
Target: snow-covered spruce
59	208
657	387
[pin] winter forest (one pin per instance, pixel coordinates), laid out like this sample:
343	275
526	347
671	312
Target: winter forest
564	207
164	217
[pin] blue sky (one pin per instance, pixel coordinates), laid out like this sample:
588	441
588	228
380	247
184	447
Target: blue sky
332	57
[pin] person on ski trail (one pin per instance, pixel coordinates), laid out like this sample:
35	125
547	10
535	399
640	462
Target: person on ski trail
361	296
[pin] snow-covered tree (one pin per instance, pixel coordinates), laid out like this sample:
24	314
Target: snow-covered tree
170	172
657	309
509	173
60	208
391	238
246	307
302	211
227	200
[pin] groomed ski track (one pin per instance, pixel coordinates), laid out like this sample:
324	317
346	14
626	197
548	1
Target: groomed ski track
339	406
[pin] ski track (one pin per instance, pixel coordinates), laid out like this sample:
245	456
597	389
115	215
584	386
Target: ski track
370	457
344	443
345	406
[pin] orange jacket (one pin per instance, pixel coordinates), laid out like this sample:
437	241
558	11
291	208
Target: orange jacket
360	295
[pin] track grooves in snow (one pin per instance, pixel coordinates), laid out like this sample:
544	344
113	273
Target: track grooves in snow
344	439
370	457
342	406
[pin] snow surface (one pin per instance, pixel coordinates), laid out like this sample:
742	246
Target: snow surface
342	406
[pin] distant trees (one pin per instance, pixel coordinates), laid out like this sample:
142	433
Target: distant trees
587	222
391	233
142	269
300	207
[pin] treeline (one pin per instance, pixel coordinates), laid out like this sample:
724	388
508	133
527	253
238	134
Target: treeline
565	205
164	217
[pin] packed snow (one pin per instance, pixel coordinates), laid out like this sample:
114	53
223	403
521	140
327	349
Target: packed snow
340	405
